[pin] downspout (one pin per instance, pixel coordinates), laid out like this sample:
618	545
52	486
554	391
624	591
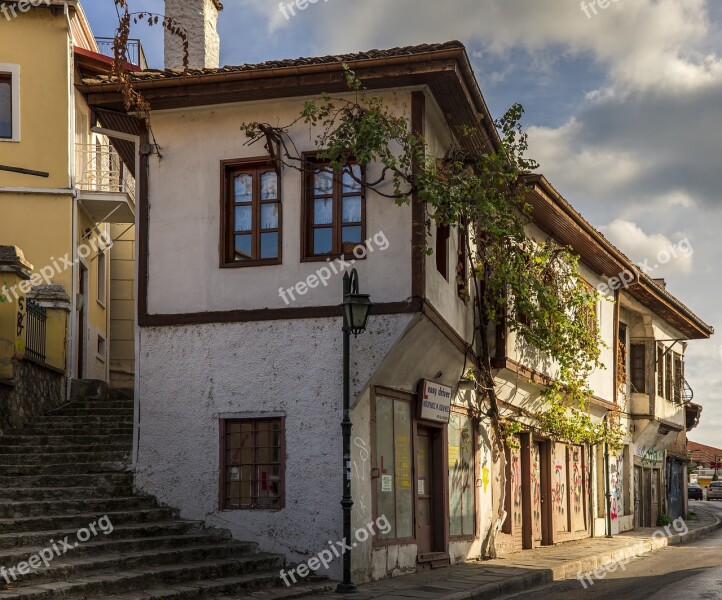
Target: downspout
615	398
72	322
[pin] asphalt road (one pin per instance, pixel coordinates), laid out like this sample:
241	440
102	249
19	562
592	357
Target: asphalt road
674	573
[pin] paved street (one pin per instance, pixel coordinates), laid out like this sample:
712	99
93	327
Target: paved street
677	572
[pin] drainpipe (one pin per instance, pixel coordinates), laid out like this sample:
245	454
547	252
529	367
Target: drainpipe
72	322
607	483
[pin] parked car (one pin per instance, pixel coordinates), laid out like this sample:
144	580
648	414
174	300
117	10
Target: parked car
695	491
714	491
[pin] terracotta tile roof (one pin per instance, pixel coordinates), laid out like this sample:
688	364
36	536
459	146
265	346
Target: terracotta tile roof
152	74
702	453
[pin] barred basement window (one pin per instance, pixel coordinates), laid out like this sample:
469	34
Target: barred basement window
253	464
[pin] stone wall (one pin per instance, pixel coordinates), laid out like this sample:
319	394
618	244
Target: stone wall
34	391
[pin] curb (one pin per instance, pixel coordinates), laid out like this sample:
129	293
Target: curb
533	579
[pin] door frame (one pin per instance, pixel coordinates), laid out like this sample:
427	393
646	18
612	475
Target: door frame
82	321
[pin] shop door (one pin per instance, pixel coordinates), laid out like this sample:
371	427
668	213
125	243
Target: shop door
425	486
646	496
655	498
637	496
537	496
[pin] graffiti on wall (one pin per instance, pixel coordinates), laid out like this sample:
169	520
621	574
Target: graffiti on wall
616	481
577	481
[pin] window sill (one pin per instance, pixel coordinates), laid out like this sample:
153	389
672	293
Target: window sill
250	263
10	140
331	257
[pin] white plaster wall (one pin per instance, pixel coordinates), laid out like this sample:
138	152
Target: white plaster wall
189	376
184	273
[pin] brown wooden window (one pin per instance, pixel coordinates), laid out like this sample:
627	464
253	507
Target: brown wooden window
462	475
639	367
251	214
6	106
660	370
442	250
668	375
462	266
622	355
678	377
335	210
253	464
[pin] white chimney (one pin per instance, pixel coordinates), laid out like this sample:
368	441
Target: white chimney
198	18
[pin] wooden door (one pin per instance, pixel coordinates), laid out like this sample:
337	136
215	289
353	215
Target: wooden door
536	493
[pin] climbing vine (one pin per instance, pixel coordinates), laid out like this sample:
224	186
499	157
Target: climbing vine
533	288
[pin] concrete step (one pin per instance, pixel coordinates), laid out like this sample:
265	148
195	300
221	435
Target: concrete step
68	468
65	457
109	545
64	450
92	404
45	430
95	411
40	494
120	532
84	420
108	480
69	566
63	440
81	520
14	510
244	573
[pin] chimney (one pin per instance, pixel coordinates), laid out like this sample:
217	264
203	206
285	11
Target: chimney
198	18
661	283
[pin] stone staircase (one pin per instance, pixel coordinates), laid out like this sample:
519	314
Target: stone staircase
64	482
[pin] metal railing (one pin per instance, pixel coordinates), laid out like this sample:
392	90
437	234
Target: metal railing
136	55
99	168
35	318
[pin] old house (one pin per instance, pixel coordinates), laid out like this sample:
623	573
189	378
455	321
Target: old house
238	375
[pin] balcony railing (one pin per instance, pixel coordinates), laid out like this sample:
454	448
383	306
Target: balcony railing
99	168
36	316
136	56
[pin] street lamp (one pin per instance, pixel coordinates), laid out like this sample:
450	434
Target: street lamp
356	309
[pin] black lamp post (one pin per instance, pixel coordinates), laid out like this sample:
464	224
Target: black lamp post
356	309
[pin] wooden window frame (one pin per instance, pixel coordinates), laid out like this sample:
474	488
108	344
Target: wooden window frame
222	498
634	368
668	376
476	453
307	225
378	542
678	384
462	264
255	167
102	276
660	371
10	73
443	236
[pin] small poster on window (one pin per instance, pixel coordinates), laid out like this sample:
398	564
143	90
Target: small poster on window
387	483
235	474
422	487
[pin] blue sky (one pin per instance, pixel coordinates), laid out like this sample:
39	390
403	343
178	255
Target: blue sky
624	111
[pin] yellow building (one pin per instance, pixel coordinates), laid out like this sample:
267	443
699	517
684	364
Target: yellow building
66	196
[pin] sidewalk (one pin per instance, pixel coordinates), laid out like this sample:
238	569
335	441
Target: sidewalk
526	569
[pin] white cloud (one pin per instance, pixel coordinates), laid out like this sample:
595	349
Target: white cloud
655	250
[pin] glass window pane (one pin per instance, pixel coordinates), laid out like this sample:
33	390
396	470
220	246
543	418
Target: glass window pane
269	186
269	216
385	455
244	218
351	235
323	183
322	240
6	109
269	245
349	183
243	247
323	212
243	188
352	209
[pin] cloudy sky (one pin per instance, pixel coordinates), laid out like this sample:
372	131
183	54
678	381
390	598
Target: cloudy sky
624	109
